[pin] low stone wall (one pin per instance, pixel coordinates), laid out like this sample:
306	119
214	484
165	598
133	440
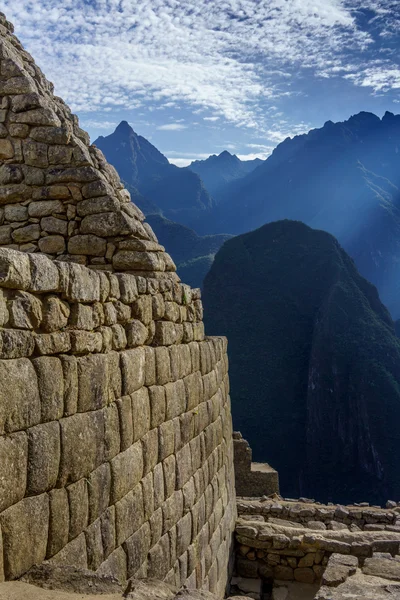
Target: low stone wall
271	549
252	479
115	427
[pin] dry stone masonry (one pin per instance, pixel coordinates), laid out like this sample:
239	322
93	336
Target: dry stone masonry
284	544
116	448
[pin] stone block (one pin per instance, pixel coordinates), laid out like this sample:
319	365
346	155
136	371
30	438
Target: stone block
93	380
14	465
157	405
70	372
159	487
107	224
129	514
136	333
175	399
89	245
93	206
44	208
99	488
52	343
44	274
136	548
29	233
183	466
133	370
115	565
25	531
74	553
163	366
166	439
128	287
159	559
141	413
59	521
78	499
125	421
112	439
80	284
150	450
84	342
50	379
172	510
126	471
129	260
94	545
19	382
183	534
142	309
44	457
25	311
108	531
82	445
148	495
165	333
304	575
52	244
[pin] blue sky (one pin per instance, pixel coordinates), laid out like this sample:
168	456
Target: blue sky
199	76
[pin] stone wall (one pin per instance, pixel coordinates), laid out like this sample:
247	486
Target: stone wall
252	479
116	448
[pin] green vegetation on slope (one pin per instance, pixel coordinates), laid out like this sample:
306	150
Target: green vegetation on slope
314	362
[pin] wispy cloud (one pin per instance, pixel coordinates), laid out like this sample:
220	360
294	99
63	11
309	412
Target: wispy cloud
228	57
211	118
172	127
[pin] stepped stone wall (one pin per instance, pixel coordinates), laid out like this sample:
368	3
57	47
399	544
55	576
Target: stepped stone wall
252	479
116	448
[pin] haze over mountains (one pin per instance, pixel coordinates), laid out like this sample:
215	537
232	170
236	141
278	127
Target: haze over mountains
322	401
343	178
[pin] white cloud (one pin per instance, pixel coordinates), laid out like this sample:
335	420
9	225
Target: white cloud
172	127
211	118
90	123
184	159
253	155
229	57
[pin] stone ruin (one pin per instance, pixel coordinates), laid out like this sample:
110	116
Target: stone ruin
115	427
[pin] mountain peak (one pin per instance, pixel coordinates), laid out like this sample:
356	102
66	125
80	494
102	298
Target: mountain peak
124	128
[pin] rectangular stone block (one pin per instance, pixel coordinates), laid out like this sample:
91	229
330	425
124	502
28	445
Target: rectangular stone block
126	471
158	482
183	534
93	381
159	559
124	406
16	343
136	548
156	524
94	545
172	510
157	405
141	413
59	521
78	499
50	379
129	514
175	399
150	374
112	439
70	371
82	445
150	450
25	529
108	531
19	382
166	440
133	370
194	390
163	366
183	466
14	466
44	457
115	565
148	495
114	376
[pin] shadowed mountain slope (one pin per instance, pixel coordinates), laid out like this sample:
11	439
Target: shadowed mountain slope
343	178
321	402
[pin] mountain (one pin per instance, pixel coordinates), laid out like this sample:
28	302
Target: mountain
217	171
176	193
343	178
314	362
192	254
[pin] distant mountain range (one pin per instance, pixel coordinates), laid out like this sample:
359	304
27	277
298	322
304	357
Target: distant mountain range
217	171
314	362
343	178
156	185
176	198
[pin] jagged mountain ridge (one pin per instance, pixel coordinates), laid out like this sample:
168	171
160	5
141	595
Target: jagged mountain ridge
322	401
219	170
178	193
343	178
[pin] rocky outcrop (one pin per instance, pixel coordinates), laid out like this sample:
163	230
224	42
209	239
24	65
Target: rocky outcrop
314	362
115	428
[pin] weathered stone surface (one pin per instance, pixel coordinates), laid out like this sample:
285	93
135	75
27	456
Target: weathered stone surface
59	521
93	381
126	260
387	568
13	461
126	471
15	271
74	553
19	382
44	457
25	529
26	234
78	500
44	274
16	344
25	311
133	370
55	313
52	244
51	387
90	245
